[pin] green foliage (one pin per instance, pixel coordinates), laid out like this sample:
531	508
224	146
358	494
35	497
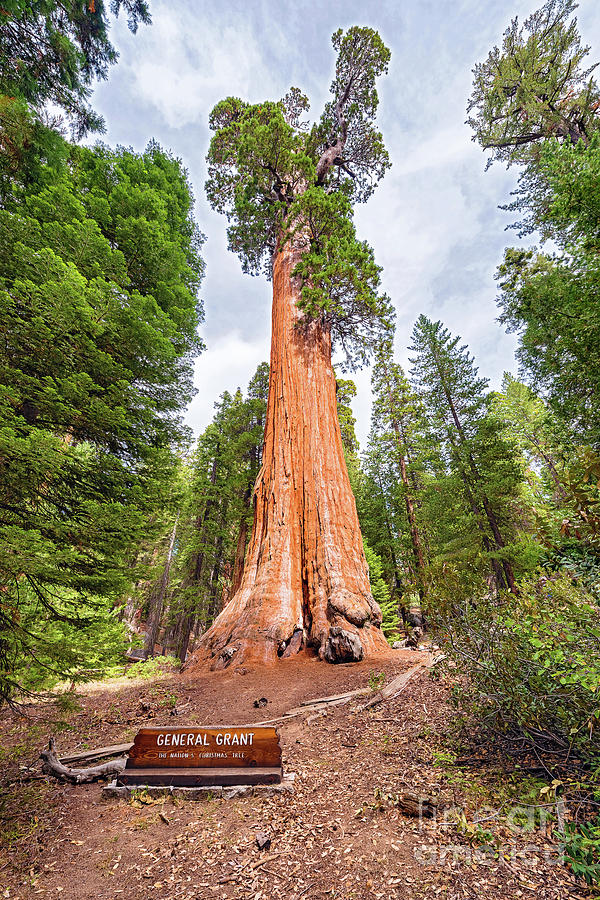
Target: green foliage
529	425
395	458
582	849
574	543
99	273
473	495
534	87
537	105
78	639
376	680
339	276
50	53
345	393
532	664
390	624
217	511
550	300
362	58
277	179
153	667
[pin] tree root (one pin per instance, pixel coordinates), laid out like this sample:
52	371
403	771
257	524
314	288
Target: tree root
52	766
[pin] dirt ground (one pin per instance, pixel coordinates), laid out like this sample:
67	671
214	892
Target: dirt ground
340	834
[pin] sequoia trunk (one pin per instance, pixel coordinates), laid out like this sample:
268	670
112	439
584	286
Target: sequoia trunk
305	579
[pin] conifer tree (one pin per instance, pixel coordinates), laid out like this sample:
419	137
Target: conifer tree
536	103
218	511
535	86
51	52
287	188
378	515
456	403
550	299
395	419
99	274
530	426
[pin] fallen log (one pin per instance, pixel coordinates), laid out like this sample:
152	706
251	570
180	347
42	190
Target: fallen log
98	753
392	689
54	767
322	703
348	696
421	807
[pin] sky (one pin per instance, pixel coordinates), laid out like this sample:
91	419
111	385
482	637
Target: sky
434	220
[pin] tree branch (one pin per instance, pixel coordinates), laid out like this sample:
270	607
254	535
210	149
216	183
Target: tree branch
53	766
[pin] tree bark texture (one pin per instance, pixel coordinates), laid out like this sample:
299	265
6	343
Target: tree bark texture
158	597
305	568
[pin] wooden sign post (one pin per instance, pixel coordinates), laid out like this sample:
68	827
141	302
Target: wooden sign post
203	757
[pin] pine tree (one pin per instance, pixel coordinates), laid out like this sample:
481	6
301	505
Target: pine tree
456	403
395	419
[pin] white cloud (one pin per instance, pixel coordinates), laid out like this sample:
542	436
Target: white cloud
433	222
183	65
228	363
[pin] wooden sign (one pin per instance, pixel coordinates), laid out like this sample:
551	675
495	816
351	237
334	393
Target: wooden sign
195	756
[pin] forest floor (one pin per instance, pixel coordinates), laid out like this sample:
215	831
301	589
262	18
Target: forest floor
340	833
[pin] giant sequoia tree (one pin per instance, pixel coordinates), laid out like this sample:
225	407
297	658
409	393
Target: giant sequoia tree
287	189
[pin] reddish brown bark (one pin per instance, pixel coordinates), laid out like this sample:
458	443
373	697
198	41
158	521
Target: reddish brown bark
240	555
305	568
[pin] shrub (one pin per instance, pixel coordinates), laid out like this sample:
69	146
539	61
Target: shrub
582	849
532	664
153	667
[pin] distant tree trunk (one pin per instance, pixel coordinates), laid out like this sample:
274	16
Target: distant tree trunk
187	616
305	567
157	599
489	513
560	491
240	550
397	580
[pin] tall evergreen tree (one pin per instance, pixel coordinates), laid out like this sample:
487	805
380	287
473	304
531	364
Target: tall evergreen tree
531	427
287	189
51	52
395	419
456	402
534	102
218	510
550	299
99	275
535	87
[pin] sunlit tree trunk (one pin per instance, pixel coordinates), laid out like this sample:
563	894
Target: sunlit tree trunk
305	579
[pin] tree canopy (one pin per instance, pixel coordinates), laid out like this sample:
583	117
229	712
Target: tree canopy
52	52
277	178
535	86
99	278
